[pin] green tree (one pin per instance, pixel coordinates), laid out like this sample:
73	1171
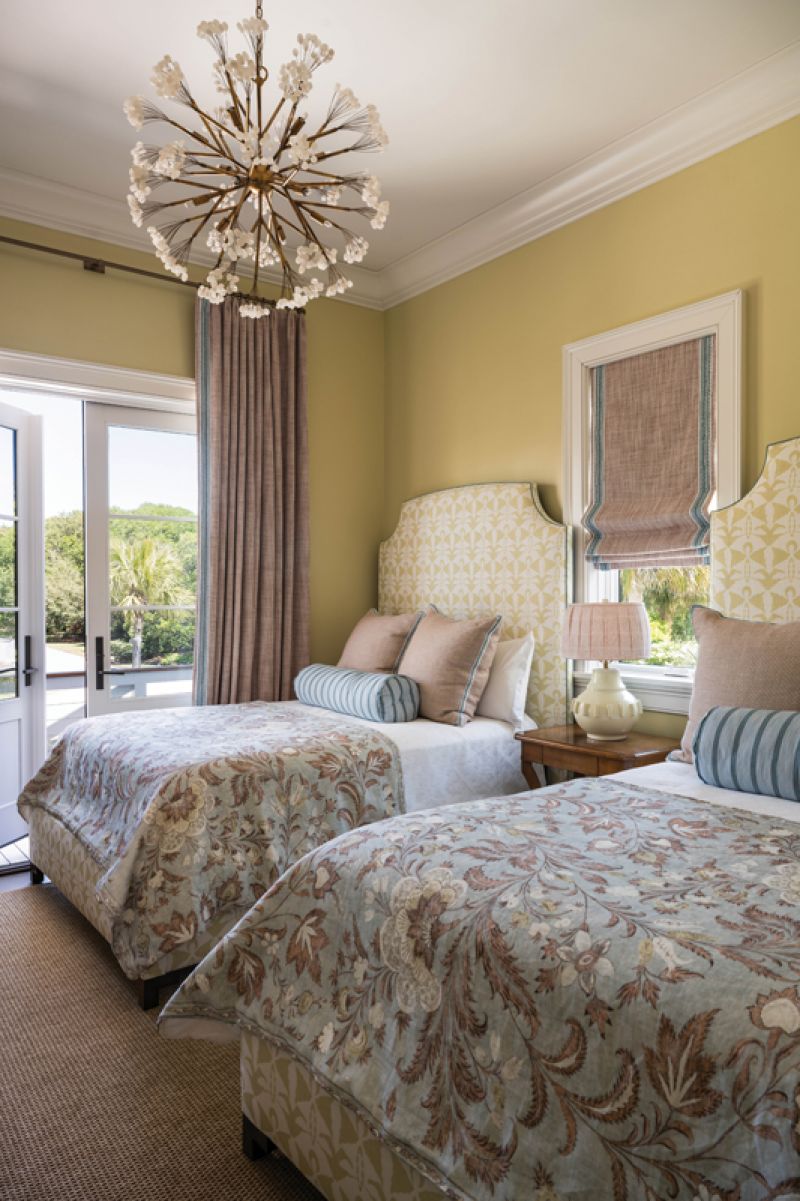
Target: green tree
144	572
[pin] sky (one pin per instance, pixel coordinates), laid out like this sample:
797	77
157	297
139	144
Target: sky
144	465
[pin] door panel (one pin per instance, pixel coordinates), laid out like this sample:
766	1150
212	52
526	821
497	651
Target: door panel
22	644
141	548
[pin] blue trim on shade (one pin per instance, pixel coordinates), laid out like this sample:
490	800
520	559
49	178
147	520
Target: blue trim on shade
203	500
373	695
598	459
733	744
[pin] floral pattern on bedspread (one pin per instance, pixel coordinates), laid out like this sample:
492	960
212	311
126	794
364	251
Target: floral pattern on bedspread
194	812
588	992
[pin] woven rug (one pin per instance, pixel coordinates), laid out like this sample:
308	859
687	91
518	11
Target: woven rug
95	1106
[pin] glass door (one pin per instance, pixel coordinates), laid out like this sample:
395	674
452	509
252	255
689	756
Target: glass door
22	737
141	558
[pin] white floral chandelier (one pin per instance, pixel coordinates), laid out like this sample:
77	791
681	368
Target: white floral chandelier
253	176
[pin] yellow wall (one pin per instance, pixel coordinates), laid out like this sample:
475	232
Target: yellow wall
463	383
54	307
473	367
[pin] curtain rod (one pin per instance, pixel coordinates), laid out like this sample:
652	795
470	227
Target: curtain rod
90	263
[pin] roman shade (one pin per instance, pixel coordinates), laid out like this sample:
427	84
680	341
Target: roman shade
653	458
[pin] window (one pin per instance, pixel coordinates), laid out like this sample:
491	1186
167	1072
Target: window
667	590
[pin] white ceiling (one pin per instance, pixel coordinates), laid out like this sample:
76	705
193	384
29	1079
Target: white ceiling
482	101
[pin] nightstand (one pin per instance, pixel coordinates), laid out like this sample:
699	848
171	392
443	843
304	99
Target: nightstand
568	748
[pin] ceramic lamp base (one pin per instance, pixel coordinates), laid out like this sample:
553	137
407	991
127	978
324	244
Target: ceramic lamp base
606	711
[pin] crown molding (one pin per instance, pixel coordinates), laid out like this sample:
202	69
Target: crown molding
749	103
72	210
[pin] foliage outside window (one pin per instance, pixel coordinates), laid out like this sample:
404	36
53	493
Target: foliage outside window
668	595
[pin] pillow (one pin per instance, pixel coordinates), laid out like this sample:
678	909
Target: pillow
507	687
750	750
378	641
450	661
372	695
752	664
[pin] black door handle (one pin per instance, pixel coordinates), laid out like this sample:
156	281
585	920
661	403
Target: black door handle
100	669
27	669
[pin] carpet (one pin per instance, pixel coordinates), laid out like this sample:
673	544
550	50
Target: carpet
95	1106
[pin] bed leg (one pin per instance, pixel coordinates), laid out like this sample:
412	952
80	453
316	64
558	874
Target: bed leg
255	1144
37	875
147	992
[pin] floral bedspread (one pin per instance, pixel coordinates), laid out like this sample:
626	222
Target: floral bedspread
587	992
193	812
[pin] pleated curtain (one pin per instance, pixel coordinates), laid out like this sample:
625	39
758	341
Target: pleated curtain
653	458
253	588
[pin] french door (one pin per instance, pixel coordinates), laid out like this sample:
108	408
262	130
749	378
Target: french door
22	640
141	554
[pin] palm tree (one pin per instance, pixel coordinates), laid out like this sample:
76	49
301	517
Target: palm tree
143	573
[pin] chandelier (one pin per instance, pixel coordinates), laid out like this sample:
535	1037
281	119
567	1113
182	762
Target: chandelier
249	178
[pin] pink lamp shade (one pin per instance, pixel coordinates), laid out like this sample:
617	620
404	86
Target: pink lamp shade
606	631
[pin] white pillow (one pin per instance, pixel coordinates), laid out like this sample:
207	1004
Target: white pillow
507	687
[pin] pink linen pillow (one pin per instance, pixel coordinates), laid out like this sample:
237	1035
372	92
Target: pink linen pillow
450	660
742	665
378	641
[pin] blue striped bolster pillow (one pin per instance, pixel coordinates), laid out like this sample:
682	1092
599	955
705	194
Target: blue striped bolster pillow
374	695
750	750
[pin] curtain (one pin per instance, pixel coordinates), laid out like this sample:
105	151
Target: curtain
653	458
253	590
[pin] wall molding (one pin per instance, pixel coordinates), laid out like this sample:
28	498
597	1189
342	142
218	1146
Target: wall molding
750	103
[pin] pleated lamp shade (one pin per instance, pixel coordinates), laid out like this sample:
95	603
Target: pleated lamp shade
606	631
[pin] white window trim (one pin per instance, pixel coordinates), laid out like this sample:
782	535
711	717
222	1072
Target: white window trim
665	689
21	370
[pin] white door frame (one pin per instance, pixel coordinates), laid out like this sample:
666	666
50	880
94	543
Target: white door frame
99	676
27	710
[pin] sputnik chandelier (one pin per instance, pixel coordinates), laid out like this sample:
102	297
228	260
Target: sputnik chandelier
255	181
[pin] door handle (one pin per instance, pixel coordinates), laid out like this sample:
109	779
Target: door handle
27	670
100	669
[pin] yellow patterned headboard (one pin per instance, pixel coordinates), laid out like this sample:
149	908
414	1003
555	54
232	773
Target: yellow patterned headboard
487	548
755	544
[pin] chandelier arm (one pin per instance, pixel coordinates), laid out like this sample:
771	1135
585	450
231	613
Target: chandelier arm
257	256
335	224
263	132
212	125
193	133
206	218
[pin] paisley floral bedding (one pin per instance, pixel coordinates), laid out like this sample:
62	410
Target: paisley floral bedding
587	992
192	813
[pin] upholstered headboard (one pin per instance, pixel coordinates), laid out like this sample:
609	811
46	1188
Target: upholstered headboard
755	544
487	548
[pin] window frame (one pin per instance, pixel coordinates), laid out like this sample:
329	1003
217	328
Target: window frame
665	689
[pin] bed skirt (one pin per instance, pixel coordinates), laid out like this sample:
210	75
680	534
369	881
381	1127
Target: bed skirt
329	1144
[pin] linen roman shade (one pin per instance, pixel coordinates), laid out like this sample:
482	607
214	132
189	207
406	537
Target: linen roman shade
653	458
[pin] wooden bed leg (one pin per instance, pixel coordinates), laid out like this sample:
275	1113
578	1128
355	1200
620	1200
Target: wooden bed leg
255	1144
37	876
147	992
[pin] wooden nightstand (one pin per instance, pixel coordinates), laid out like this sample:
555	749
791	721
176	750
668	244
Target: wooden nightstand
568	748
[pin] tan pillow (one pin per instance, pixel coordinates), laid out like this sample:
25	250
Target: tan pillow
378	641
450	661
745	664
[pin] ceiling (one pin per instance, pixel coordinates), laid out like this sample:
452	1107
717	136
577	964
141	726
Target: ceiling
482	102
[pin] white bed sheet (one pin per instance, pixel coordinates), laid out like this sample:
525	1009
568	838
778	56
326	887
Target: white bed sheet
682	779
444	765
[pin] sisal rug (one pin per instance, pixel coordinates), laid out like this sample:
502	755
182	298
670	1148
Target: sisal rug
94	1106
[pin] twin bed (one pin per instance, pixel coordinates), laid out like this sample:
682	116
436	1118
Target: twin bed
587	991
164	829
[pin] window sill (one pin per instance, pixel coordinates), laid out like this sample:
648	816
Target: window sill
658	691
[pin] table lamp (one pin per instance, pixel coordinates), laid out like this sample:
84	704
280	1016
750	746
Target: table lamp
606	631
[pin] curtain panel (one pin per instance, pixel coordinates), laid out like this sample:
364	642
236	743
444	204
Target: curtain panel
253	589
653	458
